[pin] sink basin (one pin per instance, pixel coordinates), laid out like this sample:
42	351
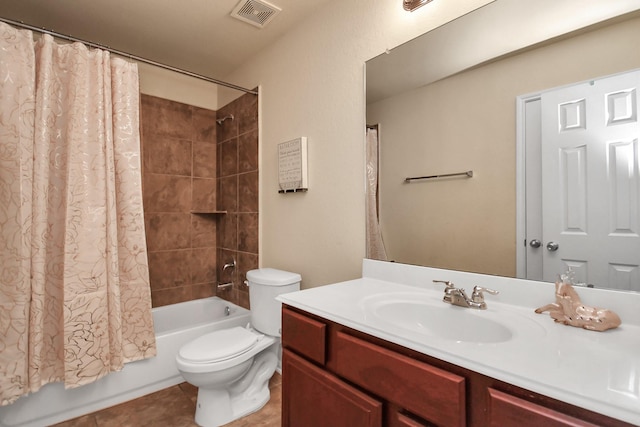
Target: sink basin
426	315
454	323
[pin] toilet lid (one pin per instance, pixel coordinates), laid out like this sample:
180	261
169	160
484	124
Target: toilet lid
219	345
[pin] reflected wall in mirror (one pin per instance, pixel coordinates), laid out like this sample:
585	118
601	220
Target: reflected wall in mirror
467	121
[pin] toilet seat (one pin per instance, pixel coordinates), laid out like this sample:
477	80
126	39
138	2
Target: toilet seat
246	343
219	346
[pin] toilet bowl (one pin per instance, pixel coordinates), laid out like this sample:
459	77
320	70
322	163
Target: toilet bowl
232	367
215	362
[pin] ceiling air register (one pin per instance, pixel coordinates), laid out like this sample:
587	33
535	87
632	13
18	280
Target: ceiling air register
255	12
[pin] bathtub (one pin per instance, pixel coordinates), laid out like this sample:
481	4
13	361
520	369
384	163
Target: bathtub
174	325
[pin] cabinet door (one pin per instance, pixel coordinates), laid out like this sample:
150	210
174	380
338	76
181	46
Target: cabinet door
315	398
508	410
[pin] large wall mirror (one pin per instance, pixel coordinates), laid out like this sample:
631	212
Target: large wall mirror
456	99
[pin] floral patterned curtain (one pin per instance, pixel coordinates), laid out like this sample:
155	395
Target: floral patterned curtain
75	302
375	245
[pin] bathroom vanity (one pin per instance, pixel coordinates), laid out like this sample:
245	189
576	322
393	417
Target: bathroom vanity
385	350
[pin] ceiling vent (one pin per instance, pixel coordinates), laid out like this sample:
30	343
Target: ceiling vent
255	12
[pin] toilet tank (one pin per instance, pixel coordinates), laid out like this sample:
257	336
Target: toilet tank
265	284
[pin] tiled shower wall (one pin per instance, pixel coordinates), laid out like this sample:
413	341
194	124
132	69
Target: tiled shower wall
238	194
185	164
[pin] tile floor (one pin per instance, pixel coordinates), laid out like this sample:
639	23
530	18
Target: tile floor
175	407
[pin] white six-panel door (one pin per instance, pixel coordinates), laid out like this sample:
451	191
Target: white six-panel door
591	182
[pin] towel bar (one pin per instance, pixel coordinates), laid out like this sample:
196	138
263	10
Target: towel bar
467	173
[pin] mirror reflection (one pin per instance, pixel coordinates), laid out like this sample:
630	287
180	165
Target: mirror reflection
471	115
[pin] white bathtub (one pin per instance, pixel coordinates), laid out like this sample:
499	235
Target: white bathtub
174	325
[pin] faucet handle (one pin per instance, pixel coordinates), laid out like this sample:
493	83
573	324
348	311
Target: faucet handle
231	264
449	290
447	283
478	296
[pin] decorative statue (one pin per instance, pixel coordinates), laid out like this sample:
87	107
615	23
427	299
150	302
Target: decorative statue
568	309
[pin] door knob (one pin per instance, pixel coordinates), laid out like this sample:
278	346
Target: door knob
535	243
552	246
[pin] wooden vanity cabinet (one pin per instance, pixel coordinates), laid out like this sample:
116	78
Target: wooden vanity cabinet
315	398
336	376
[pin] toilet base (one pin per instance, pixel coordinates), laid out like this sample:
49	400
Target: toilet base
242	408
225	410
216	407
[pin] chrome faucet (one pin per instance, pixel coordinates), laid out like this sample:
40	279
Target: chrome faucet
228	285
458	296
231	264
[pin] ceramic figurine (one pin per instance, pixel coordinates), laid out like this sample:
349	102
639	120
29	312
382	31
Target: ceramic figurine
568	309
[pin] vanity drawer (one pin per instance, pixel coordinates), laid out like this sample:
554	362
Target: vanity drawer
507	410
431	393
304	335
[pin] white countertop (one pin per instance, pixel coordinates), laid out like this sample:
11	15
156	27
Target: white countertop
598	371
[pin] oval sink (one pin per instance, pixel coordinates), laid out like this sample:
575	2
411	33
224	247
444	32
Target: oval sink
448	322
423	314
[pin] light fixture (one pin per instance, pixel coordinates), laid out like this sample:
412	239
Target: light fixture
412	5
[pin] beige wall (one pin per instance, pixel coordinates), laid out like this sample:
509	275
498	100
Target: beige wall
468	121
312	84
156	81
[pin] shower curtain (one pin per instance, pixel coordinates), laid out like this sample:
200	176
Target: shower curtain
75	301
375	245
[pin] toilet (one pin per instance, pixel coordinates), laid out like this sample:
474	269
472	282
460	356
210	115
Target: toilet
232	367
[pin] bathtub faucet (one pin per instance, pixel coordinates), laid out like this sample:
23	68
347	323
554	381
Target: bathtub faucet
229	265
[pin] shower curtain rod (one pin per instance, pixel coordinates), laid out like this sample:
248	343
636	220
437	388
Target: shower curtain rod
128	55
